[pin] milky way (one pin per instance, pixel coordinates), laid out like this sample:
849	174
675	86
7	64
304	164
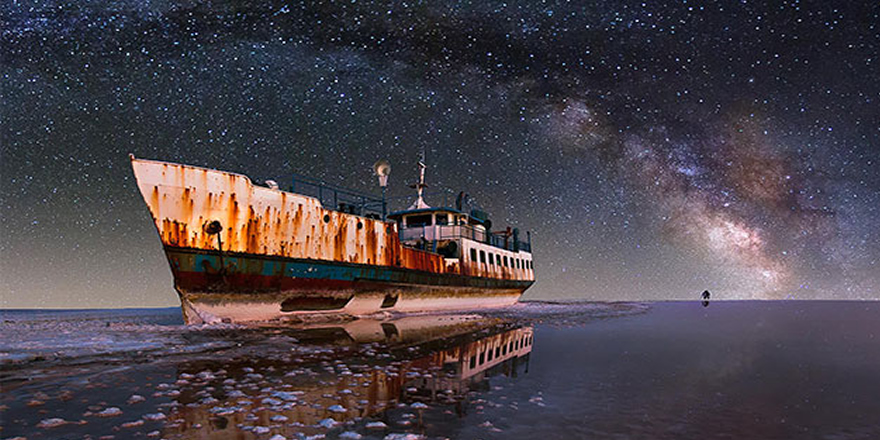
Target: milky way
653	149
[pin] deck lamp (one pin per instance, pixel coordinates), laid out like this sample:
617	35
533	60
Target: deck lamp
382	169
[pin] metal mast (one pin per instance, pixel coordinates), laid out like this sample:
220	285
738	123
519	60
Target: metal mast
420	186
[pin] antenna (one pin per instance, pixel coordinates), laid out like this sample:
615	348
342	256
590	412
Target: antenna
420	187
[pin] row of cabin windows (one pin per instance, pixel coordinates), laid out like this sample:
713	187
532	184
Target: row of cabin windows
501	350
421	220
502	260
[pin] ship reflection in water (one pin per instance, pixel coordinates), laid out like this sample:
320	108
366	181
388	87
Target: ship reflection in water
372	376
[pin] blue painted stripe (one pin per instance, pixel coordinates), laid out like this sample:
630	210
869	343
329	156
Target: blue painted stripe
201	262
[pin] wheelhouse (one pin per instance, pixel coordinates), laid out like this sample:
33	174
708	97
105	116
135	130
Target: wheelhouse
464	237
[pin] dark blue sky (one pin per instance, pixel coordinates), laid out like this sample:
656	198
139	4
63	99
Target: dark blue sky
655	149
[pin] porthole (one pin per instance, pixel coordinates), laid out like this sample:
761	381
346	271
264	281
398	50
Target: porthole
360	225
326	218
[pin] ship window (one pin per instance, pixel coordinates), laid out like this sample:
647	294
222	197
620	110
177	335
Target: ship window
415	221
504	349
482	358
489	358
491	260
473	254
482	256
505	261
473	362
497	351
326	218
442	219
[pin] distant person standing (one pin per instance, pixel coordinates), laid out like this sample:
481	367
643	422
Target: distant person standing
705	297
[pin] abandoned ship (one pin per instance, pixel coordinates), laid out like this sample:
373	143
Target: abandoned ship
242	252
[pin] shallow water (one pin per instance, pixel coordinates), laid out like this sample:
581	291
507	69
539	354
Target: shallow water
665	370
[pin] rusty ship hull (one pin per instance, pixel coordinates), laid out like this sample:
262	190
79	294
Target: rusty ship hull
241	252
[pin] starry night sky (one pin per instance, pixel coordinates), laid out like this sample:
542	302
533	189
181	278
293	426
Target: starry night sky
655	149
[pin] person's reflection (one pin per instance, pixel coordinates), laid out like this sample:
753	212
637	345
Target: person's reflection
705	297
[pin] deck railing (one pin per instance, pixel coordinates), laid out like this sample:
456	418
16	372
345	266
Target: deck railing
338	198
